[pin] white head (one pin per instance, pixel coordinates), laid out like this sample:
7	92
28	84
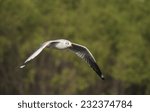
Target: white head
63	44
67	43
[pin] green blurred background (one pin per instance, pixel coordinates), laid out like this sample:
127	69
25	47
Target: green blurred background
116	31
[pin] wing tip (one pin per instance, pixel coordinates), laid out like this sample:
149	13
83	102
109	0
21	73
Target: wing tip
102	77
22	66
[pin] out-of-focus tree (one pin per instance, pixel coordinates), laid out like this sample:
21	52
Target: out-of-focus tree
116	32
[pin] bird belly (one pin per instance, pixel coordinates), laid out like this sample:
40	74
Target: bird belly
60	46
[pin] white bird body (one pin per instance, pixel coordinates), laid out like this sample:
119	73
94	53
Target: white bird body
79	50
62	44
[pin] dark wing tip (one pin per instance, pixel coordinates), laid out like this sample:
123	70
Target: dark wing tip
102	77
85	54
97	70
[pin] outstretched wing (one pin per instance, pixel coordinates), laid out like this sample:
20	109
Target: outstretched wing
85	54
38	51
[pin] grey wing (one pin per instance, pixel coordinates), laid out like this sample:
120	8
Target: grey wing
85	54
38	51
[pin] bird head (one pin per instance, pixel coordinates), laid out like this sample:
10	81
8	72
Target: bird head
67	43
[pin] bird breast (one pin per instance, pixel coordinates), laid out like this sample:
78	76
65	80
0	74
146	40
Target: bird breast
60	46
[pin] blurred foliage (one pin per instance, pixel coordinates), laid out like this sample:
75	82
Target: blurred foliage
116	32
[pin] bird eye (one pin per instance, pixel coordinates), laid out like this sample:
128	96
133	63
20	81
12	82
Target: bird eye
67	43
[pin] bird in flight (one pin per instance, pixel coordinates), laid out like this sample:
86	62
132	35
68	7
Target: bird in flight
79	50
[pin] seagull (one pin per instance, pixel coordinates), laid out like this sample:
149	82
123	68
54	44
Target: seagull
79	50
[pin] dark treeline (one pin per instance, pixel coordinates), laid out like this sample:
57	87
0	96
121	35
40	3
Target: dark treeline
116	31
